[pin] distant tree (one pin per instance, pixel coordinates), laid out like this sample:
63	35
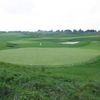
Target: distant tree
68	30
92	30
75	31
39	30
80	31
2	31
57	30
62	30
50	30
99	31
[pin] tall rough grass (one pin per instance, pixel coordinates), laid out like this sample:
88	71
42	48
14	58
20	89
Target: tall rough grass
49	83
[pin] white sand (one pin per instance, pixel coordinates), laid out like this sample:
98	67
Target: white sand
69	42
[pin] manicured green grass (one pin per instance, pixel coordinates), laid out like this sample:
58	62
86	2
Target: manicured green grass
47	56
93	45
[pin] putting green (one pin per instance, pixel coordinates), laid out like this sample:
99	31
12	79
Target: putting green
47	56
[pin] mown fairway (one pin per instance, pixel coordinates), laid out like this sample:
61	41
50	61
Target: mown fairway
47	56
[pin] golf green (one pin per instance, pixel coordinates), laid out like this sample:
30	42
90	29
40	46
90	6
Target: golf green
47	56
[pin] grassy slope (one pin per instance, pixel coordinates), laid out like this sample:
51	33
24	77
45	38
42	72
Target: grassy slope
80	82
77	82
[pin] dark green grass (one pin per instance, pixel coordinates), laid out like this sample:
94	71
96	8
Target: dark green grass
5	37
77	82
84	71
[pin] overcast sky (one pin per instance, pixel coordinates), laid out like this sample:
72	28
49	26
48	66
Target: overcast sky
31	15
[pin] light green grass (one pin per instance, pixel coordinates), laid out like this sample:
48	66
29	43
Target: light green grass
47	56
93	45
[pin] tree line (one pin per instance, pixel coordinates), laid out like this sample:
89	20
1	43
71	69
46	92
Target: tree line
72	31
67	31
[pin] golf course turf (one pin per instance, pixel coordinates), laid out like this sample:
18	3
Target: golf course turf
47	56
36	66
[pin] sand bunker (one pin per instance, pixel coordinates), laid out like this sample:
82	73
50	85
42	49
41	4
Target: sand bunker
69	42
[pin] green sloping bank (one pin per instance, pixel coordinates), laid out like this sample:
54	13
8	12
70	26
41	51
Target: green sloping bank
47	56
79	82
